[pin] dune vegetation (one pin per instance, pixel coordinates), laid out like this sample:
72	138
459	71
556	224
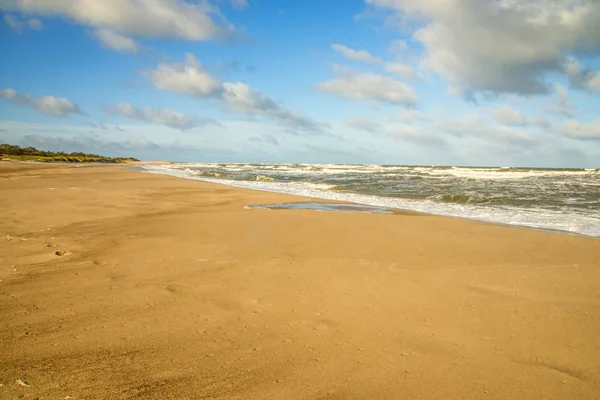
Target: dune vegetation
13	152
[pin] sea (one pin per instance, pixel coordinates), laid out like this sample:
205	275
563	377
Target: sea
565	200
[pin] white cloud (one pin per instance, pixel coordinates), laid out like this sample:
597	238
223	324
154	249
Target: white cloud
362	123
116	41
344	70
506	46
190	78
509	116
397	46
422	136
243	99
54	106
475	126
562	103
465	131
395	67
594	82
240	3
578	130
398	68
368	86
356	55
581	77
18	24
540	122
409	116
265	139
187	78
148	18
160	116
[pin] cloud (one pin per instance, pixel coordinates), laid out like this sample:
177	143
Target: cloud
363	123
422	136
147	18
265	139
236	66
356	55
562	103
504	137
19	25
54	106
509	116
139	148
409	116
242	98
85	143
497	47
369	86
594	82
470	131
116	41
578	130
540	122
190	78
98	125
160	116
239	3
397	46
398	68
582	77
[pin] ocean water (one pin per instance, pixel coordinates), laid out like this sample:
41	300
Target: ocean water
565	200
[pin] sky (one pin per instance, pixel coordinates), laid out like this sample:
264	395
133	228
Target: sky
419	82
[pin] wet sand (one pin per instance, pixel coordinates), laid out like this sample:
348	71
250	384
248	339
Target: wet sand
116	284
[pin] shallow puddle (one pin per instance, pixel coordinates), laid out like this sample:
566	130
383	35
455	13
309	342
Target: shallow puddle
318	206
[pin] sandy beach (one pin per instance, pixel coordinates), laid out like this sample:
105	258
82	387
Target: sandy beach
117	284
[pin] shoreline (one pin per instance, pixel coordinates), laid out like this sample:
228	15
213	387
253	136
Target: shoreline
326	200
117	284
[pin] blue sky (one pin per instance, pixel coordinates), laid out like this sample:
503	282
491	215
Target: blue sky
459	82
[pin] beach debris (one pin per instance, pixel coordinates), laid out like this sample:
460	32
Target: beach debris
70	397
61	253
21	382
2	384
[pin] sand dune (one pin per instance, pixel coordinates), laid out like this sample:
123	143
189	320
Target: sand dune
117	284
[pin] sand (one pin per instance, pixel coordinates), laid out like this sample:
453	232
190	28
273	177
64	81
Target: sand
117	284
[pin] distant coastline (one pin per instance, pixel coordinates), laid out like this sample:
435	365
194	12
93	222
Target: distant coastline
12	152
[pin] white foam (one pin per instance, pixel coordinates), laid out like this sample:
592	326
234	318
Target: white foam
500	174
491	173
